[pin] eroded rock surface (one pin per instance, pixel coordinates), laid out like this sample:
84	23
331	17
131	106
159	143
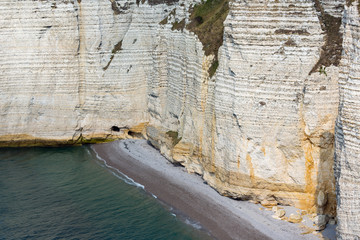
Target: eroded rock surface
263	126
347	164
66	70
260	127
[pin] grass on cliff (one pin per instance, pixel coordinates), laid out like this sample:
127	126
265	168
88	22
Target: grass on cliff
178	25
174	137
207	22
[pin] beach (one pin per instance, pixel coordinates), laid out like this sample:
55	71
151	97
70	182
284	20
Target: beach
190	198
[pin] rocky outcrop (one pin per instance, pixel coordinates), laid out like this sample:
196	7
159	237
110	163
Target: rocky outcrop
254	116
347	164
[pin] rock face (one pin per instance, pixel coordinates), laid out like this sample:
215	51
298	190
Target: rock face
279	131
347	164
261	128
65	74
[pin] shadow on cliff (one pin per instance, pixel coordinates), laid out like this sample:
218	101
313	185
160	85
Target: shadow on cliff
325	192
340	158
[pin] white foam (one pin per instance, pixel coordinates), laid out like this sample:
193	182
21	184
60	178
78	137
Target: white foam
87	151
119	174
193	224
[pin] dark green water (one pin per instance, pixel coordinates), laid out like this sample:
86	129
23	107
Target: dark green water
66	193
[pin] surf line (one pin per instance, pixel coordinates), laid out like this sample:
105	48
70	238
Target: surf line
118	173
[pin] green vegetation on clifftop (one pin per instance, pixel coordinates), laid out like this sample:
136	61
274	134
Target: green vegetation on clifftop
207	22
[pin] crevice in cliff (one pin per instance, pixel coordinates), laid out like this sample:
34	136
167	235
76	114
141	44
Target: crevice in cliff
44	30
116	49
81	52
292	32
237	121
157	2
331	50
207	22
167	2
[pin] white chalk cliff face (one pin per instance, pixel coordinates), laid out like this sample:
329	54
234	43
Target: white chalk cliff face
261	128
68	72
347	163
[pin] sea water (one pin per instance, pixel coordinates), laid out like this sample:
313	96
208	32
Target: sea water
66	193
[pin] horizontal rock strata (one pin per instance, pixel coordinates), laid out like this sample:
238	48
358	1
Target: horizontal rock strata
262	127
347	164
63	79
259	127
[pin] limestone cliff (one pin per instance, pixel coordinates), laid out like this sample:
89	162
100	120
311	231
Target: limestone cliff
68	74
255	117
263	126
347	164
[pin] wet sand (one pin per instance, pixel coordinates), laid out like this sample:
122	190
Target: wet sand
222	217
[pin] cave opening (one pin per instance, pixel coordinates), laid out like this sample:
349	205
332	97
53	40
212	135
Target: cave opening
115	129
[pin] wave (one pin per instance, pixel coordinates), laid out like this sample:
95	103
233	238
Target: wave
195	225
118	173
102	162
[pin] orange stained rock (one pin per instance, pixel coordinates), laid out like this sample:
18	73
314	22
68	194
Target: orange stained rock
251	168
139	128
263	150
25	140
310	182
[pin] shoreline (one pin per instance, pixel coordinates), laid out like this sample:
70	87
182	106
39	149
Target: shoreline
222	217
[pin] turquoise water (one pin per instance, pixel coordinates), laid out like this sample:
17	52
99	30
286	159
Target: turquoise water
66	193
